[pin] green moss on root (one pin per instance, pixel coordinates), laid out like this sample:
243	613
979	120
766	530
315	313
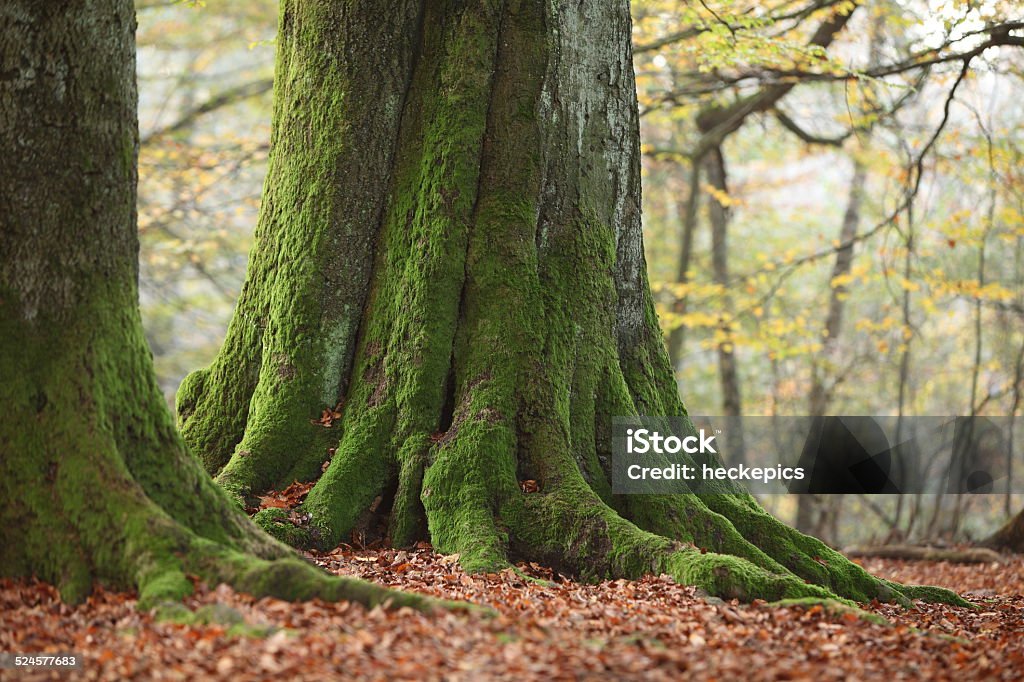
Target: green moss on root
277	523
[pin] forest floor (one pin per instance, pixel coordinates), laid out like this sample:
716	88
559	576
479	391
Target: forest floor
549	629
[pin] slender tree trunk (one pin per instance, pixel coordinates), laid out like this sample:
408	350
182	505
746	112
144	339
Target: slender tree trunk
979	340
1018	379
501	315
688	229
728	372
99	485
820	394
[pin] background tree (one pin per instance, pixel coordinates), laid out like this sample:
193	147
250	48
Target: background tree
99	485
1010	536
932	101
205	78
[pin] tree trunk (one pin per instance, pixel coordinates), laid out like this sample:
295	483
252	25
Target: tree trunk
728	372
821	393
813	513
688	229
97	482
1009	537
449	253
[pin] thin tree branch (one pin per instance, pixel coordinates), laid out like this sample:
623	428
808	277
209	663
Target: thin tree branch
228	97
810	138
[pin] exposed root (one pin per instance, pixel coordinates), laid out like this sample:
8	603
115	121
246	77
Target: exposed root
967	555
804	556
165	578
728	577
835	608
723	544
592	540
931	594
460	491
407	521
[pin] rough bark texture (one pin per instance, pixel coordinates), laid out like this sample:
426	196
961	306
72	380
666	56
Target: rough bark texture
291	340
507	315
98	485
1010	537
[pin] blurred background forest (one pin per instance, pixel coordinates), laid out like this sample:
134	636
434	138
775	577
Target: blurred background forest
833	210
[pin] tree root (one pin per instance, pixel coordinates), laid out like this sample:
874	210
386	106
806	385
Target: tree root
167	563
596	542
833	607
970	555
723	544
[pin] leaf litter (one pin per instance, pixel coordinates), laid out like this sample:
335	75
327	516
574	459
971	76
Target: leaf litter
547	627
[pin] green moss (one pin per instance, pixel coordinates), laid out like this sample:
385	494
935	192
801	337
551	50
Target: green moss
165	586
403	359
833	608
407	521
212	614
730	577
291	341
933	595
172	612
357	474
219	614
191	389
461	486
276	522
213	403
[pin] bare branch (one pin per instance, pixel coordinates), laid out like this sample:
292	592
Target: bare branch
228	97
810	138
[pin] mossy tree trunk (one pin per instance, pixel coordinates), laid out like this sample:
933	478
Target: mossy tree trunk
97	484
449	249
1010	536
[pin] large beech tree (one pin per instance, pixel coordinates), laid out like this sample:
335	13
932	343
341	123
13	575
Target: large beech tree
97	485
447	297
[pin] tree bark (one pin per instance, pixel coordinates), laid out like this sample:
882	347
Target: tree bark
728	372
1010	537
688	229
98	484
476	306
811	506
821	393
